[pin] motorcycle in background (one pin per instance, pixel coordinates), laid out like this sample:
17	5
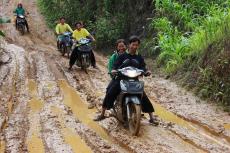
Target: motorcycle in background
84	55
21	24
66	44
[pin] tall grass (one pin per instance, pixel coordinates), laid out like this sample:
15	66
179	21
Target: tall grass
182	34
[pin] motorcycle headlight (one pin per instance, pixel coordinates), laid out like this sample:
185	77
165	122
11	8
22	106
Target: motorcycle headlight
132	73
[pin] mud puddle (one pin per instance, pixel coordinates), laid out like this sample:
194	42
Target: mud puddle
227	126
2	146
70	136
81	111
173	119
34	141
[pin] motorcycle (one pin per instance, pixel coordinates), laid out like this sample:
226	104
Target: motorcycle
127	107
20	24
66	44
84	49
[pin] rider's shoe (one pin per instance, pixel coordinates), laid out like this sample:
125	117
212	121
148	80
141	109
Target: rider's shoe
95	67
99	118
70	68
154	122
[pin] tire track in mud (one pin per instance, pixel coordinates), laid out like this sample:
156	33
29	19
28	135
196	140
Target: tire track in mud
15	129
49	90
34	141
183	105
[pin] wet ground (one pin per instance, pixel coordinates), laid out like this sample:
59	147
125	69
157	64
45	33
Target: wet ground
46	108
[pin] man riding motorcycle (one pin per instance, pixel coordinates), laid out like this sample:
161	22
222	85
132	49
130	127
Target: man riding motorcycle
78	34
20	11
60	29
114	89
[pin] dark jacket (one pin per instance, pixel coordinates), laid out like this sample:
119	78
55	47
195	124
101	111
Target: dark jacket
119	63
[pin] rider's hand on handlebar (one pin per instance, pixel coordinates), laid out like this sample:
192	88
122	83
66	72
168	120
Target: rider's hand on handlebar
147	73
113	72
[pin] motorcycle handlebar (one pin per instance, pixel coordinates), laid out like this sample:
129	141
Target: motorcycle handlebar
146	74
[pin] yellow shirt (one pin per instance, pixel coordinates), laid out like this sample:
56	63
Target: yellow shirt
83	33
63	28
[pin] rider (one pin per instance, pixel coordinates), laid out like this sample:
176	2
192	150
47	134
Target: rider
114	89
78	34
21	11
61	28
120	49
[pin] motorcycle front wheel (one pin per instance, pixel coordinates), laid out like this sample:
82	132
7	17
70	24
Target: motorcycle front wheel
135	118
21	29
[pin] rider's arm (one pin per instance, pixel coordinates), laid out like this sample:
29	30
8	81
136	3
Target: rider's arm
16	11
57	29
111	62
143	67
87	34
23	11
69	28
118	62
142	64
74	36
91	37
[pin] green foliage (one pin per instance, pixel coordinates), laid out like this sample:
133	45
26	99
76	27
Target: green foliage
2	34
186	29
107	32
3	20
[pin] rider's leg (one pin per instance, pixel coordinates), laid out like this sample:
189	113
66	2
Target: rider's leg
147	107
110	84
58	45
93	60
109	99
111	95
27	26
73	57
59	39
16	25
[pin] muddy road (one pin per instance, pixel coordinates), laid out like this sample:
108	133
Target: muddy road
46	108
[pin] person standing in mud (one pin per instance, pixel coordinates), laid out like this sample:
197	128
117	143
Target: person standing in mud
78	34
60	29
21	11
114	89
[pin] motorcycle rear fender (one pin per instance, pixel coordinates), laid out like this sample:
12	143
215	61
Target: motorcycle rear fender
132	99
